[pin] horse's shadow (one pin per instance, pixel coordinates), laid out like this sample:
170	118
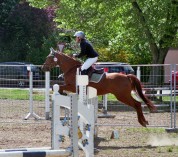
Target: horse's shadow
98	148
98	140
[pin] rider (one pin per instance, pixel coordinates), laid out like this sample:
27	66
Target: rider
86	50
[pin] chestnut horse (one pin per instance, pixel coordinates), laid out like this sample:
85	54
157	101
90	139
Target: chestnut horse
120	85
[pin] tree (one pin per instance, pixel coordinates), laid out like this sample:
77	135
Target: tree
5	8
149	26
140	28
25	29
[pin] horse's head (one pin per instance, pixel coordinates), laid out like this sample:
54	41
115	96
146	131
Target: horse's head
51	61
58	58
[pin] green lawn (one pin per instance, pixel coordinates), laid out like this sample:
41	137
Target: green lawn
23	94
20	94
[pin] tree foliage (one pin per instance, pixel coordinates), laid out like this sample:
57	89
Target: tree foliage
5	9
24	30
138	28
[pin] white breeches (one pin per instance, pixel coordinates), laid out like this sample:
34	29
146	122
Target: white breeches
88	63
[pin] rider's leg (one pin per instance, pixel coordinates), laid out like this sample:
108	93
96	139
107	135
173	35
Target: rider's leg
88	63
84	72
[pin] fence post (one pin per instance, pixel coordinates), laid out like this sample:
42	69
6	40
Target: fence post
174	96
173	99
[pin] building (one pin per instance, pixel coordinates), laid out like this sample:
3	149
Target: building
171	58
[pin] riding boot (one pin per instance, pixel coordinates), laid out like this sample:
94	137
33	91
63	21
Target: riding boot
84	72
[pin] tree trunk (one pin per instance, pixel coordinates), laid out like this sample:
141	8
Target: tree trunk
157	72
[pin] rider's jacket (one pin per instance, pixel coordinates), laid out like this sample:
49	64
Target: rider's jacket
87	50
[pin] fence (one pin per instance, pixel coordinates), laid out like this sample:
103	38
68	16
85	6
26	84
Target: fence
15	104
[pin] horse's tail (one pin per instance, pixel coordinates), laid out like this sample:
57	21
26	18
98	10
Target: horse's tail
136	85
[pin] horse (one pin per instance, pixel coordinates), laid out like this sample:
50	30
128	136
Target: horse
120	85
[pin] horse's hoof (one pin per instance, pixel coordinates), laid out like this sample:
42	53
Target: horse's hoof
65	94
144	125
154	110
147	123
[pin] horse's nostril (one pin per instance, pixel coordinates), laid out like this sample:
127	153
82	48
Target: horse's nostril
43	68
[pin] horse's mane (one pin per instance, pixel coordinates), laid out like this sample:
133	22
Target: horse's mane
70	59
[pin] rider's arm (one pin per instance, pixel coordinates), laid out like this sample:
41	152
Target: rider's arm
83	50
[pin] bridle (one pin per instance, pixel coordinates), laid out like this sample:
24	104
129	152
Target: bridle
53	55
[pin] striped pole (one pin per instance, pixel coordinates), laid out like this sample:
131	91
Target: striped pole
36	153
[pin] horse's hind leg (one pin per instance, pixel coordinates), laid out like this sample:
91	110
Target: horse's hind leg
136	105
140	115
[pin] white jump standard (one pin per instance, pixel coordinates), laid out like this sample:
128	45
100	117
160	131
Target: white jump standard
86	109
82	118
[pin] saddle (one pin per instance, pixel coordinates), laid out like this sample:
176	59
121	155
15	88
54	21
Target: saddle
95	75
92	70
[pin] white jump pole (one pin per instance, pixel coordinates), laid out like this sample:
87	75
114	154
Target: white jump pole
31	113
105	108
47	93
138	72
105	102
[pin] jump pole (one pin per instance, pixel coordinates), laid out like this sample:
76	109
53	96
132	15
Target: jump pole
36	153
31	113
47	94
105	108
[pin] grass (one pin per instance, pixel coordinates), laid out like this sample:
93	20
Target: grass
110	97
19	94
165	99
147	130
170	149
23	94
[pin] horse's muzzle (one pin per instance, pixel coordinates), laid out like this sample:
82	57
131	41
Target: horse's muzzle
45	68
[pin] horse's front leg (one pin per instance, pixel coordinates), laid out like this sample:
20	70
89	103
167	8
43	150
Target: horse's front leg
68	87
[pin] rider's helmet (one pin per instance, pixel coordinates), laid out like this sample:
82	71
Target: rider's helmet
80	34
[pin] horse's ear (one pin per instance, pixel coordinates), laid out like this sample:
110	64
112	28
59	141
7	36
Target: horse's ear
61	47
52	52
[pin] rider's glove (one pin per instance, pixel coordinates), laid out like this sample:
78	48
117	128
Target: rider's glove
75	55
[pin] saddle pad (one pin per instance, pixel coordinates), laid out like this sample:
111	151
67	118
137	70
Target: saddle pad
96	77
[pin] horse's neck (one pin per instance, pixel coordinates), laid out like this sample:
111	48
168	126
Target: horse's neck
68	64
67	69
